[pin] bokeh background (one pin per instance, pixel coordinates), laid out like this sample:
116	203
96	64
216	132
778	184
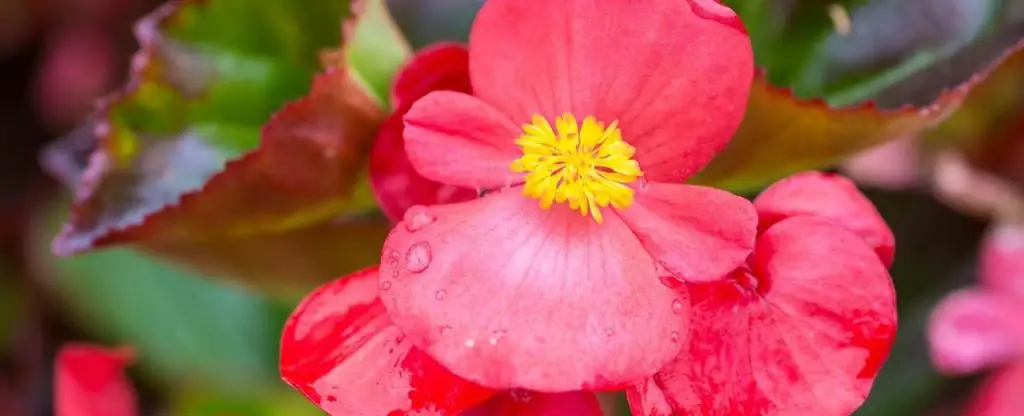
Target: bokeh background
209	348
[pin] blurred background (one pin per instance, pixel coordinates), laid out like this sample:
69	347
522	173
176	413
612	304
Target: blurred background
209	348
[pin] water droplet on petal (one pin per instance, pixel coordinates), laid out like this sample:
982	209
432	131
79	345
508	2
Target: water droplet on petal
670	282
400	338
497	335
674	336
678	307
609	331
440	294
470	343
331	399
417	259
642	182
418	217
445	329
385	285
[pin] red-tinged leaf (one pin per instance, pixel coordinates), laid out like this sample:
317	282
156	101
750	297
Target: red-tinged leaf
90	381
782	134
527	403
396	184
184	165
341	351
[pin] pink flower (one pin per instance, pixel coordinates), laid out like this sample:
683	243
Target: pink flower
340	350
983	327
586	116
803	328
90	381
397	186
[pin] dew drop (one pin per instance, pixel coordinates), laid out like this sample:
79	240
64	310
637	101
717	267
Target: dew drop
440	294
445	329
470	343
417	259
418	217
609	332
674	336
385	285
394	274
400	338
497	335
331	399
678	307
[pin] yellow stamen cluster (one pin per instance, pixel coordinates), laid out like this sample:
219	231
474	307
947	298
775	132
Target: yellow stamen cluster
586	165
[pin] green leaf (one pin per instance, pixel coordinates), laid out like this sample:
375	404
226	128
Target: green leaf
186	329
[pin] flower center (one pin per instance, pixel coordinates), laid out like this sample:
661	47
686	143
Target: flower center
586	165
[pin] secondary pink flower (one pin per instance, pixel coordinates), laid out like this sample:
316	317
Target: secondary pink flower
90	381
397	186
586	117
340	350
983	327
803	328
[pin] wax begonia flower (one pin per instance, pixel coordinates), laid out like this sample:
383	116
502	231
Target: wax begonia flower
982	327
89	381
585	117
397	186
802	329
339	350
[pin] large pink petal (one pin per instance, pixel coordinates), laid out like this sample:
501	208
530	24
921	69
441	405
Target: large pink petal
396	184
676	74
456	139
1002	260
526	403
697	233
343	353
1000	395
973	329
830	197
90	381
510	295
803	332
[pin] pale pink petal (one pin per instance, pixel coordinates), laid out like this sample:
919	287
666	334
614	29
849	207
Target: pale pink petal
456	139
697	233
973	329
509	295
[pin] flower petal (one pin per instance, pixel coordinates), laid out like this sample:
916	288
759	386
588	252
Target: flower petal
973	329
1000	394
830	197
439	67
510	295
808	341
1002	259
697	233
526	403
456	139
90	381
343	353
396	183
675	74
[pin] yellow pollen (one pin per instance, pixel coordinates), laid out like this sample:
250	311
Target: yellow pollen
586	165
